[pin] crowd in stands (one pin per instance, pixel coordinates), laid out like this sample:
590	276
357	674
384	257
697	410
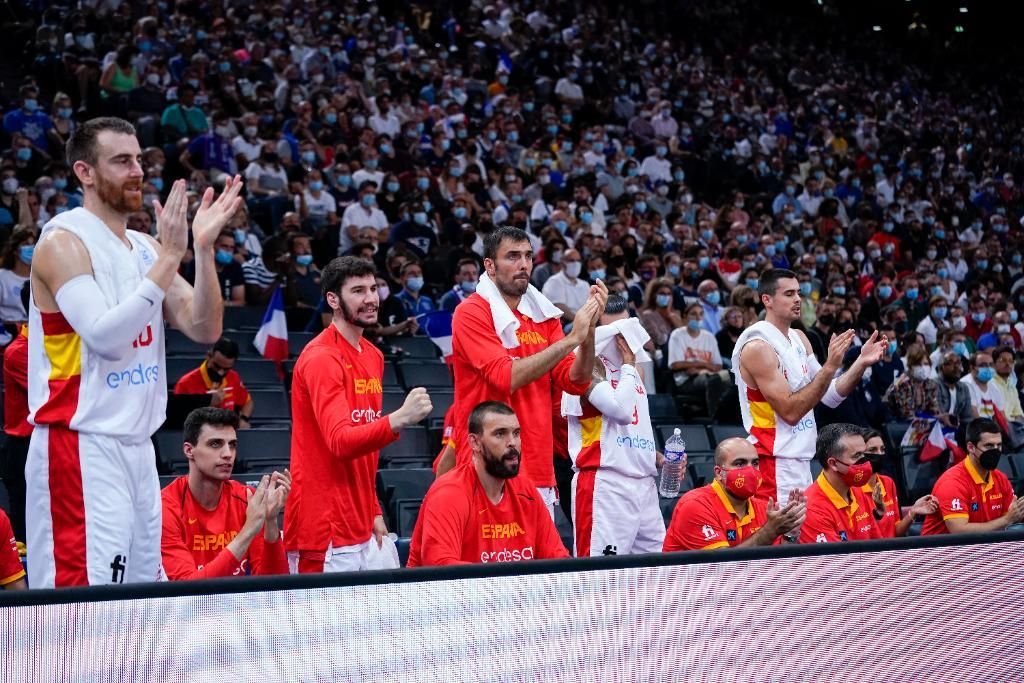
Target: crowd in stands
675	161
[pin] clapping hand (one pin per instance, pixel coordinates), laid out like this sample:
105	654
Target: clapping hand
212	215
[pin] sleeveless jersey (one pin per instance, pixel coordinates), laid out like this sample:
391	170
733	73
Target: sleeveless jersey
770	434
69	385
597	442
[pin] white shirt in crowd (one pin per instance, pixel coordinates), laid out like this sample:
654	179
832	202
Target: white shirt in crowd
682	347
358	215
319	207
559	289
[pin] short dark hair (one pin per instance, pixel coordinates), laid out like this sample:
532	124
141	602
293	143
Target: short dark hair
979	426
616	304
81	146
482	410
216	417
827	445
768	282
869	433
495	238
998	351
226	347
340	269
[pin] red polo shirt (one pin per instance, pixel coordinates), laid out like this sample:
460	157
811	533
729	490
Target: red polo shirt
198	382
963	493
483	372
887	526
831	518
704	519
11	568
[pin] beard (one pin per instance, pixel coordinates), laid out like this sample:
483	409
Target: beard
499	466
352	318
512	287
118	197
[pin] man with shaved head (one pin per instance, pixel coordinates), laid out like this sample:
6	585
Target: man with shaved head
724	514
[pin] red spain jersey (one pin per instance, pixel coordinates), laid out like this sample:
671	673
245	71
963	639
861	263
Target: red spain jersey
887	525
11	568
198	382
963	493
447	437
194	544
483	372
16	386
704	519
337	434
458	524
831	518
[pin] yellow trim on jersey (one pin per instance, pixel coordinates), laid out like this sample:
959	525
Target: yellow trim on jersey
12	578
716	546
64	352
955	515
740	522
762	415
590	430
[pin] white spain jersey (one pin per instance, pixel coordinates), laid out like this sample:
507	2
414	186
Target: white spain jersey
625	445
70	386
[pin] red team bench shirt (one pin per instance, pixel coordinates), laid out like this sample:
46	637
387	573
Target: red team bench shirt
704	519
830	518
16	383
483	372
199	382
11	568
458	524
195	540
337	434
963	492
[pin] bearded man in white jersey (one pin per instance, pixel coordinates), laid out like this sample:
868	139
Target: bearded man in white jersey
780	382
96	376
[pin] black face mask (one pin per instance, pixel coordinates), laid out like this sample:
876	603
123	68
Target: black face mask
990	459
214	375
827	319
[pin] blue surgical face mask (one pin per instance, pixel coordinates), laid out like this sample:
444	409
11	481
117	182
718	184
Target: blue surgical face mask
982	264
316	185
423	183
459	212
703	262
839	290
1013	316
769	250
369	200
385	148
224	257
885	291
420	217
942	273
713	297
805	289
986	374
912	293
25	252
344	180
304	259
309	157
939	312
61	183
158	183
24	153
393	187
663	300
979	318
331	119
414	284
673	270
960	348
561	226
240	236
892	348
640	206
752	282
693	325
598	274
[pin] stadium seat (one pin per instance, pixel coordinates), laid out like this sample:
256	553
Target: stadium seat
406	513
272	405
297	341
167	479
402	545
392	399
179	366
720	433
178	344
1017	461
263	449
413	442
415	347
662	408
245	345
1007	468
401	485
894	432
701	472
243	317
919	477
400	462
257	371
815	469
389	380
695	436
418	373
564	526
440	402
668	505
168	444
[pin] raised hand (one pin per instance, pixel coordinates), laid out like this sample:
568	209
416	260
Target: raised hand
837	348
256	510
878	494
925	505
583	319
212	216
628	357
874	348
277	494
172	220
417	406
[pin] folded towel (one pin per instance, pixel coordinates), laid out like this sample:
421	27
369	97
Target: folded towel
634	334
533	305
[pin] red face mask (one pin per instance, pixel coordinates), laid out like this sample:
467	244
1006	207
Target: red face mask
857	475
742	482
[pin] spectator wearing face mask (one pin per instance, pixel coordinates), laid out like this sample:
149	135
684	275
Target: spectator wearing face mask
659	316
392	320
978	321
554	252
696	363
315	205
929	326
211	152
1000	327
914	392
303	288
986	397
415	301
15	267
217	377
416	231
710	298
567	290
1006	382
882	490
466	277
363	213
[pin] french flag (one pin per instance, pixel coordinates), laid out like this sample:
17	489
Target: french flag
438	326
936	444
272	339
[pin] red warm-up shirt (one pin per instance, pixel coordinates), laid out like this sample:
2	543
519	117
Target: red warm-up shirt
11	568
704	519
962	491
199	382
483	372
458	523
831	518
337	434
195	540
16	386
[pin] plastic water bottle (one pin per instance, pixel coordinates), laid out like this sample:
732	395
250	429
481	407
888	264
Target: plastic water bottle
674	468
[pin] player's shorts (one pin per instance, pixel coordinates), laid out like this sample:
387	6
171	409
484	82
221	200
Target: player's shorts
93	510
779	476
349	558
613	514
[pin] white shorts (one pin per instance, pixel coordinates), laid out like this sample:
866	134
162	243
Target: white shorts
788	474
549	494
92	510
613	514
351	558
